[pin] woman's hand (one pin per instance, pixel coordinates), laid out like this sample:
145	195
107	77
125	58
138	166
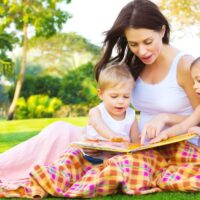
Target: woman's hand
162	136
152	128
195	129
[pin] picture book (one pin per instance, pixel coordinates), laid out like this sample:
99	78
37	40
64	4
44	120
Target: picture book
125	147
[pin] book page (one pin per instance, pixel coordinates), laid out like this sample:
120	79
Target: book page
125	147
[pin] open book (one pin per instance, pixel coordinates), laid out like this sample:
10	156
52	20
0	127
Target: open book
128	147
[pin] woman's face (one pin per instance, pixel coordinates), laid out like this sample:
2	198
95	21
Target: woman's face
146	44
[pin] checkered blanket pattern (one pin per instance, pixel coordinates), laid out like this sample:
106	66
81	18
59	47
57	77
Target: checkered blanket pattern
173	167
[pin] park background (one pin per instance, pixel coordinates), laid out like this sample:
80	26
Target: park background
48	50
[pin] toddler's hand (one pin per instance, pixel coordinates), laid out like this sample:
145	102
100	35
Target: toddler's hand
120	139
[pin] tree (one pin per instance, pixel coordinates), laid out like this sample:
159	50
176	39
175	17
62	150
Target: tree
79	86
61	52
183	12
6	44
45	17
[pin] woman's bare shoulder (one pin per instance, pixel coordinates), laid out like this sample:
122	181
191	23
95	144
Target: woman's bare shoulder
183	72
185	62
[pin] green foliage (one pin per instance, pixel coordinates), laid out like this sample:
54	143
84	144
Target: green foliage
47	85
4	100
79	86
37	106
6	45
61	52
6	68
3	94
7	42
34	84
73	110
186	12
68	42
45	16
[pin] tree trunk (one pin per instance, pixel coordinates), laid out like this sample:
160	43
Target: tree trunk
21	74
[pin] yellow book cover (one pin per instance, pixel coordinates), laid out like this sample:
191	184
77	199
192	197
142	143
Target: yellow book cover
125	147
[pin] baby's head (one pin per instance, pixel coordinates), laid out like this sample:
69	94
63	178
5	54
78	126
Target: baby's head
115	85
195	71
115	75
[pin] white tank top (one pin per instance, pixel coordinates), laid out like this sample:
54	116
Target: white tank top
122	127
164	97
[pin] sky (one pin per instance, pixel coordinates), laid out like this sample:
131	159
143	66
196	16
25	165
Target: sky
92	17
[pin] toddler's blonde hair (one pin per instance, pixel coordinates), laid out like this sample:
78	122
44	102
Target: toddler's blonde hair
113	75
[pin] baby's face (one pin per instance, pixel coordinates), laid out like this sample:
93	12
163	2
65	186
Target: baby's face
195	71
117	99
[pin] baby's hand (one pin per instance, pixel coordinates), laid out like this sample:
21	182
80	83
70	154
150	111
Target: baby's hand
120	139
195	129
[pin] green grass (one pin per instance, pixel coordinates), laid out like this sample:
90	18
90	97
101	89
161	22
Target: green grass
14	132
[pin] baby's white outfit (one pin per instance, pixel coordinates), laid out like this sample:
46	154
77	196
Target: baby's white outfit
120	127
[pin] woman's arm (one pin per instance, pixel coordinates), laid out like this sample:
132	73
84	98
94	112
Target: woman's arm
180	128
172	119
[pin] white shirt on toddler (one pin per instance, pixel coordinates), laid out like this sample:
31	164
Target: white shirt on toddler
120	127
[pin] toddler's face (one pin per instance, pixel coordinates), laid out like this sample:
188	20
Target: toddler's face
195	71
117	99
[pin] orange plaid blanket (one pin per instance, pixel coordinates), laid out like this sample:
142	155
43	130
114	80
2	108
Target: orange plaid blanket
173	167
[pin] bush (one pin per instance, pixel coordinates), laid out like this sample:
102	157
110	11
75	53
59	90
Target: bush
73	110
79	86
37	106
33	85
4	101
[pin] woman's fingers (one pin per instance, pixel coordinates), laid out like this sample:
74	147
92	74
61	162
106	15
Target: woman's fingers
143	135
149	132
159	138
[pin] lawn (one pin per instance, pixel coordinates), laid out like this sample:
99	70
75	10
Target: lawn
14	132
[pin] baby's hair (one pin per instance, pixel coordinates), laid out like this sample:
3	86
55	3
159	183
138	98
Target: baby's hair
113	75
195	62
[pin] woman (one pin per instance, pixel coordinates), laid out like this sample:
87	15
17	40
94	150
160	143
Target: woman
162	72
164	96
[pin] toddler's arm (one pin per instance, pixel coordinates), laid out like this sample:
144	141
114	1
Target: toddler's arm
134	133
98	124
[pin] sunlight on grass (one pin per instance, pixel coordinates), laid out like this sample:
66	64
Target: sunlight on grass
36	124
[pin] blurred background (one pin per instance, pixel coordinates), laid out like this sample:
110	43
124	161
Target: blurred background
48	50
